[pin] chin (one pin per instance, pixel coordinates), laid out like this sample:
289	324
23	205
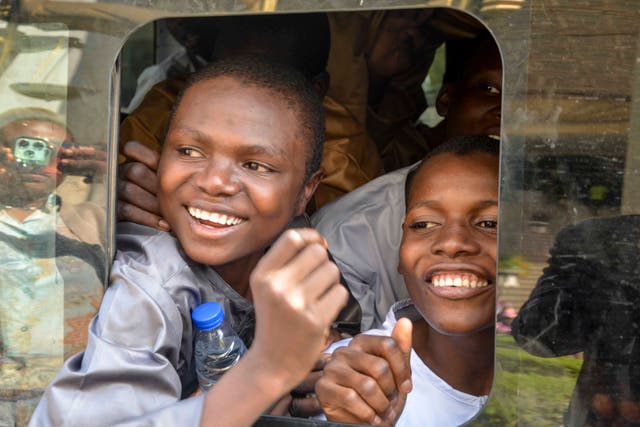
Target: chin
459	329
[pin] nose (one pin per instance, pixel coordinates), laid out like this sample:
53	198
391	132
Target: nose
219	179
455	240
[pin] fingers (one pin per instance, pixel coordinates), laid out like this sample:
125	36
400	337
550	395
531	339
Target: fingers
137	196
321	362
389	350
344	404
139	175
354	366
298	264
308	385
129	212
333	300
402	334
305	407
368	380
137	200
288	245
138	152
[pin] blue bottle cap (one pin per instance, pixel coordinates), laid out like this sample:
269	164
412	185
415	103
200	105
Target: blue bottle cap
207	316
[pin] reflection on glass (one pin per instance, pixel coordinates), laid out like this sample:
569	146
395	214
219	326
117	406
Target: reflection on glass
586	302
51	261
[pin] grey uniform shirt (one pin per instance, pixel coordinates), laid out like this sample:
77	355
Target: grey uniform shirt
138	363
363	229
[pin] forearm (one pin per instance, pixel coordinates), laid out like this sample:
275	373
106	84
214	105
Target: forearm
244	393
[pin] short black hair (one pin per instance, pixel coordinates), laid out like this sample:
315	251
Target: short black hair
300	40
287	85
459	146
460	53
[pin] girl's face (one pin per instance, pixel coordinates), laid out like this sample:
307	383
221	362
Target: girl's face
448	250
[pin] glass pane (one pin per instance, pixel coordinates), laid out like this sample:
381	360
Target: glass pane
568	256
52	219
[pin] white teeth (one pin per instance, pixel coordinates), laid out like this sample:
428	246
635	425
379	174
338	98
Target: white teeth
221	219
465	280
495	137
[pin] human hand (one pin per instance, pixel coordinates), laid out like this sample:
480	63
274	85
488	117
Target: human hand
609	409
7	161
368	381
304	403
297	294
138	187
84	160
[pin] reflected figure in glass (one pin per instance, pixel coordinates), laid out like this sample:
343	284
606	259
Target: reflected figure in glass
587	302
51	260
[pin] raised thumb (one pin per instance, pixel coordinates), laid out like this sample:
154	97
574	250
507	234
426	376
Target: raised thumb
402	334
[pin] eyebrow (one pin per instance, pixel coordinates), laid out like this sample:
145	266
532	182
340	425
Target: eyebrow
252	149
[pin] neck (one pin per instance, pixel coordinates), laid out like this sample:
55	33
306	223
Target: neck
18	214
237	273
21	213
464	362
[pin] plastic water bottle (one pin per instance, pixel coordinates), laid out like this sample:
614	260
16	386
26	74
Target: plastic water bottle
217	346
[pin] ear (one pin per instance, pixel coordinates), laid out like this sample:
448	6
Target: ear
307	191
444	99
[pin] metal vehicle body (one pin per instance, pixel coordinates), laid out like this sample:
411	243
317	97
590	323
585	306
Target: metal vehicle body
570	139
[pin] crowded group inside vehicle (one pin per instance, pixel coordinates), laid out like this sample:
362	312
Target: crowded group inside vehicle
332	183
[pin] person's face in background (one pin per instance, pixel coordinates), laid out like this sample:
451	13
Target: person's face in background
449	242
197	35
35	181
398	43
472	105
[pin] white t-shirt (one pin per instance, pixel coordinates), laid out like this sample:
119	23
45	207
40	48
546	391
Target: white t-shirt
432	402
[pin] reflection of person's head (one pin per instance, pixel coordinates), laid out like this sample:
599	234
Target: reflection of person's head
448	249
30	138
241	159
471	94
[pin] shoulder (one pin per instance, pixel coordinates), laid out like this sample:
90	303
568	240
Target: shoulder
151	273
594	236
376	201
154	253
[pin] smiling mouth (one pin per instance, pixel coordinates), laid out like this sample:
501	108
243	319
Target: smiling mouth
457	280
214	218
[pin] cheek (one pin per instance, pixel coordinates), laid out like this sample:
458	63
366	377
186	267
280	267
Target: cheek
491	249
273	198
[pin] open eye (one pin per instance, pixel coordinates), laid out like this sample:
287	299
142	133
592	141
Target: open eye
257	167
422	225
491	89
190	152
488	224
